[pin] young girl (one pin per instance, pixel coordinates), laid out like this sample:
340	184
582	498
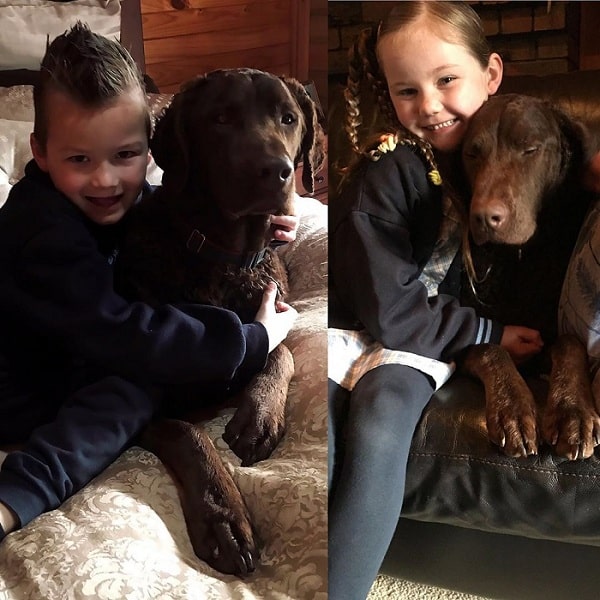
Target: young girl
395	236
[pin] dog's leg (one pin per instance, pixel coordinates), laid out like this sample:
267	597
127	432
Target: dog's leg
259	422
570	420
510	406
216	516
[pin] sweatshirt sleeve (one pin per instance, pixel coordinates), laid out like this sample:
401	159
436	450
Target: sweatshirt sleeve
373	265
63	288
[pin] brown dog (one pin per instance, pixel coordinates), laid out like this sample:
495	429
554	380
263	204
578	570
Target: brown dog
228	145
523	160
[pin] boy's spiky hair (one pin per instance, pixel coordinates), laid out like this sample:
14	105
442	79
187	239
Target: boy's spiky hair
89	68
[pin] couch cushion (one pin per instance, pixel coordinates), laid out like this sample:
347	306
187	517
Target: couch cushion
458	477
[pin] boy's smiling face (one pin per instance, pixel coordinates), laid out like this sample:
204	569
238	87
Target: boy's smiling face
97	157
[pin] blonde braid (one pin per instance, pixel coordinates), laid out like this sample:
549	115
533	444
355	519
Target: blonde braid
363	66
356	73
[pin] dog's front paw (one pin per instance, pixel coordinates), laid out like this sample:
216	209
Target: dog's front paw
259	423
220	530
572	428
512	422
571	423
256	427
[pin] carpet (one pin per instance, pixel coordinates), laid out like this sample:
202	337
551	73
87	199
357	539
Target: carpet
388	588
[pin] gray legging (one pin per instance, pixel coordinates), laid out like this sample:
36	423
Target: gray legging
370	432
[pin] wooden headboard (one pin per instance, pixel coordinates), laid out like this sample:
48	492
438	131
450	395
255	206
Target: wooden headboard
131	38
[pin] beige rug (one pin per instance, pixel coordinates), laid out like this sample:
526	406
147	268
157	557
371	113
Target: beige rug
388	588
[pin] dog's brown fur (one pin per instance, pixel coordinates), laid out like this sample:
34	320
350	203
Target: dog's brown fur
523	159
228	145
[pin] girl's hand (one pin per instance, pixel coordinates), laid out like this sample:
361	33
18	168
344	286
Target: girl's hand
277	317
591	176
521	342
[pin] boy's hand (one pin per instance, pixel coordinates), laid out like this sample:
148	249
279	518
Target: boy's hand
521	342
283	228
277	317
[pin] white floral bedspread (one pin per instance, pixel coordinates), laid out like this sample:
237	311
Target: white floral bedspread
123	536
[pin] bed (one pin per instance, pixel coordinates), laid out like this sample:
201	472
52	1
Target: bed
123	536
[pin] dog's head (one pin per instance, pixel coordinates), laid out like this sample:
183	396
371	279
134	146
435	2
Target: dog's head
235	137
517	152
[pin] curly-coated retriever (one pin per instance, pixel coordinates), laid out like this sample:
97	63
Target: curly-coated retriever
524	159
228	144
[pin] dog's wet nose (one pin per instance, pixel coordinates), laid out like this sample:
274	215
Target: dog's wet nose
491	215
276	170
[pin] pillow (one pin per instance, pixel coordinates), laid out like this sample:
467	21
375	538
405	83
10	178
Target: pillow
16	103
27	25
15	152
579	308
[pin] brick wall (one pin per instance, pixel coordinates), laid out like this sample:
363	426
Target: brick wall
532	37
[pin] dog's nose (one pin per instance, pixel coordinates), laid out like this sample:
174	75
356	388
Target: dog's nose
491	215
276	170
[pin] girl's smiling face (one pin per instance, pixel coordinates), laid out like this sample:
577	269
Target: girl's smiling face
435	85
97	157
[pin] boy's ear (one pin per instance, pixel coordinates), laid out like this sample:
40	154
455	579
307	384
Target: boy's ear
38	153
495	69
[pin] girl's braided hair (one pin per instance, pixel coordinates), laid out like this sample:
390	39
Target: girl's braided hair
365	75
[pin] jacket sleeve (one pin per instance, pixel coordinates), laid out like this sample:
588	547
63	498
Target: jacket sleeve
63	289
373	265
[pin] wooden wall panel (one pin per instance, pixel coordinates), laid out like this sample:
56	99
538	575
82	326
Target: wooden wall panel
223	19
319	40
203	35
171	73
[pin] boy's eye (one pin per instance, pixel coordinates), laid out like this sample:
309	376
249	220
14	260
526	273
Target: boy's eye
79	158
124	154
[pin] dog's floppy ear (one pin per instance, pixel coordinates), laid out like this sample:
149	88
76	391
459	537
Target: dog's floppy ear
312	152
168	144
576	138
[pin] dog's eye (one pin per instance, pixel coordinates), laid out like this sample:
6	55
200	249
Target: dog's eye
288	119
531	150
222	119
472	153
473	150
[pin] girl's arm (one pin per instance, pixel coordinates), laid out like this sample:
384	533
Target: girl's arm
386	214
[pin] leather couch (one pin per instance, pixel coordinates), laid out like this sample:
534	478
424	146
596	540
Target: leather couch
475	520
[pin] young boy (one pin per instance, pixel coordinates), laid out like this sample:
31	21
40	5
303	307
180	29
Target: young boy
80	366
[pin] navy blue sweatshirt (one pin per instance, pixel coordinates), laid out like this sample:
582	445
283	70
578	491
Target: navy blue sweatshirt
383	229
58	306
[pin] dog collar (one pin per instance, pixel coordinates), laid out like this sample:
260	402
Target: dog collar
198	244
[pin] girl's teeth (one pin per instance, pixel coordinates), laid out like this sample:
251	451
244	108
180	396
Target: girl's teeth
442	125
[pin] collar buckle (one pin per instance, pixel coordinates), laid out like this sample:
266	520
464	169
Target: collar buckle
195	241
